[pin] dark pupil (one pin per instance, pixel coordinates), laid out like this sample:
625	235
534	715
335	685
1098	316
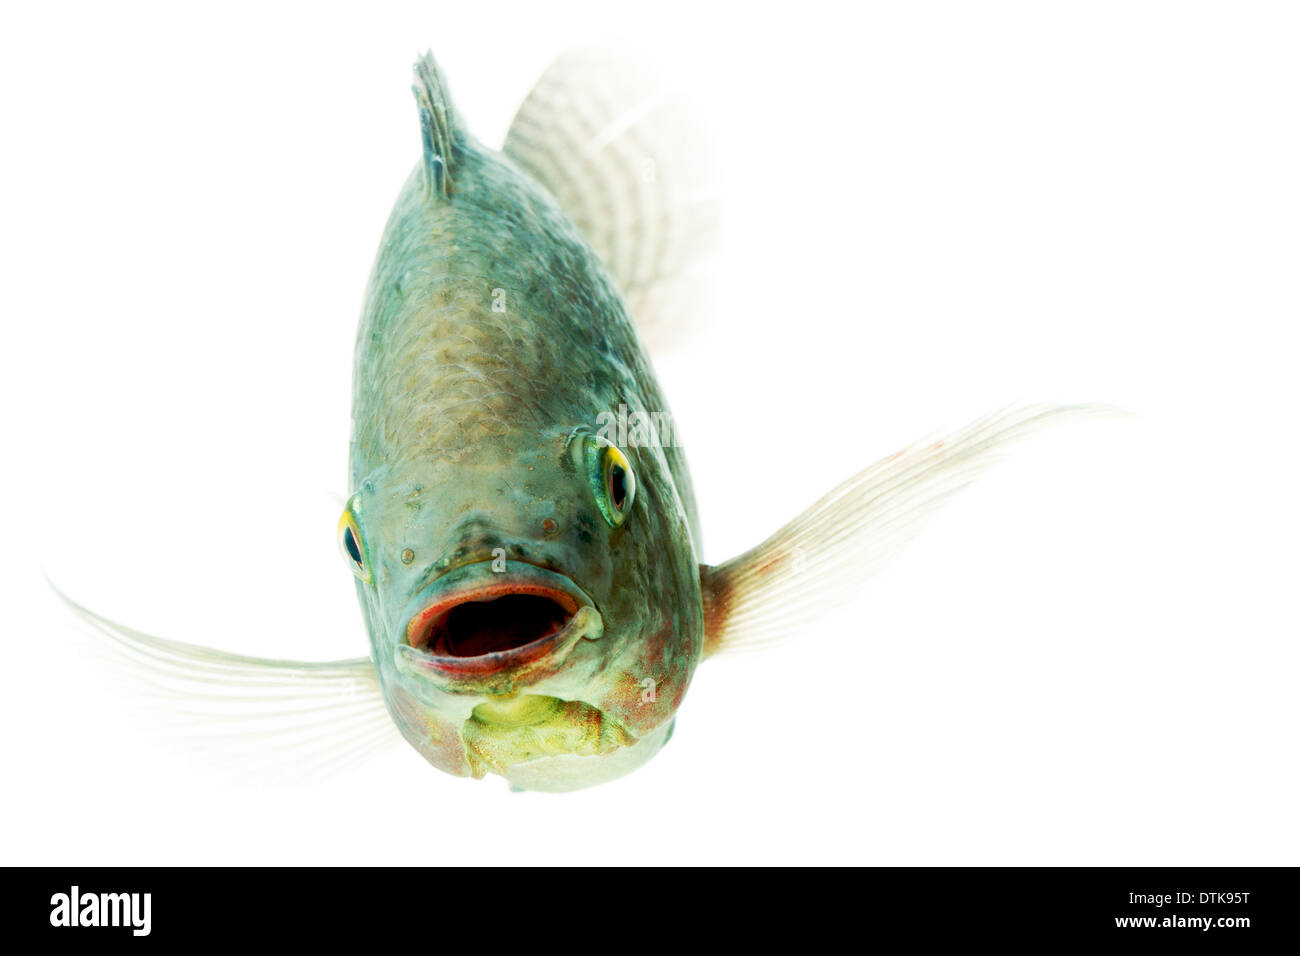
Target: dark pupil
617	486
350	542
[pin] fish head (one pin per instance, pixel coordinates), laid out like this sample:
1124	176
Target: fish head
533	604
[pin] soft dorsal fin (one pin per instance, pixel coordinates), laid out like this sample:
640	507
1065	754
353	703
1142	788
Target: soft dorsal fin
628	164
437	127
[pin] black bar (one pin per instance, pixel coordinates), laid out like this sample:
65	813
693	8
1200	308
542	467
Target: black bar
1230	907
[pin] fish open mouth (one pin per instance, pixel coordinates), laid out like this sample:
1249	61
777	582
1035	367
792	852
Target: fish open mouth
475	622
491	620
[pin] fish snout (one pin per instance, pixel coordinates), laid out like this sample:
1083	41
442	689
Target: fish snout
526	538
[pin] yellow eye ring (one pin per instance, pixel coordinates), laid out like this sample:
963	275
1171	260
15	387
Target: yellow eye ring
350	544
613	483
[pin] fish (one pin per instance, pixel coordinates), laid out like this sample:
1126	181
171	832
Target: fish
520	524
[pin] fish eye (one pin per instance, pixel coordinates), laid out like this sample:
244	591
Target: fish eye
350	544
612	480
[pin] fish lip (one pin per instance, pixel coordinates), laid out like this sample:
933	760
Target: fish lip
477	581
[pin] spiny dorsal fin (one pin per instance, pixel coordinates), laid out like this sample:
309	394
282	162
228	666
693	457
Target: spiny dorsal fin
437	126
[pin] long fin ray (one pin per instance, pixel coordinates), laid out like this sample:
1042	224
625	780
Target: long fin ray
257	717
818	559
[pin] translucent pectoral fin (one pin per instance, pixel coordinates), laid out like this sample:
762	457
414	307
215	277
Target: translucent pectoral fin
258	717
819	560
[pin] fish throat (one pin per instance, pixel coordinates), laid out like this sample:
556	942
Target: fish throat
522	727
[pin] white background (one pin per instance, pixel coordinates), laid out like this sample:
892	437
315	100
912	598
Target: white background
933	210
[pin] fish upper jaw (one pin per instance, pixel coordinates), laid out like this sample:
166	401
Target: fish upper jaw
477	630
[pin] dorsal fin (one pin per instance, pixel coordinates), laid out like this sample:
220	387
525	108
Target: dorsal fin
437	126
628	162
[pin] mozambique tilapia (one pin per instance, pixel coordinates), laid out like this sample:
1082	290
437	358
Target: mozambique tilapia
521	524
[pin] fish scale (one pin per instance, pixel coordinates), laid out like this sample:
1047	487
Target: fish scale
449	372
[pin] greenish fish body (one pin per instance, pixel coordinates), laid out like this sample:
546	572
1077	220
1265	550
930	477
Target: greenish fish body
491	343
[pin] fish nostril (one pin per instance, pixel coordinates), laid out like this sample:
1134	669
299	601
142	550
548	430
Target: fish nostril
479	546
